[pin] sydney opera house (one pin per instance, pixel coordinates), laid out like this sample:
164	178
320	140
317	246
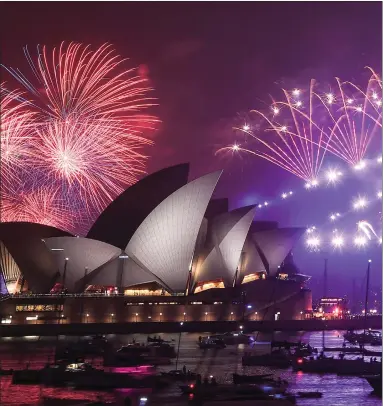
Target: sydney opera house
163	250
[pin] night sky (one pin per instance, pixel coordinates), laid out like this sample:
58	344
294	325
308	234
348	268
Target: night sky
210	61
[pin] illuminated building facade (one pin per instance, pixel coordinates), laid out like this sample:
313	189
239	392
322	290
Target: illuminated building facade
161	246
331	308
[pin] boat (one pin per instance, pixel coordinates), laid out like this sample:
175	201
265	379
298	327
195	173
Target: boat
155	340
243	379
287	345
215	343
232	338
336	366
372	337
179	375
138	354
313	395
82	375
375	382
304	351
356	350
278	359
162	349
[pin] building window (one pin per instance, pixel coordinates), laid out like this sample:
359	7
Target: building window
40	308
216	284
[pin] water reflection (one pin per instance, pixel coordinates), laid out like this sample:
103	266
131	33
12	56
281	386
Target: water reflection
337	390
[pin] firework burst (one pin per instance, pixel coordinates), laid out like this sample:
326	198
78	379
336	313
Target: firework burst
88	130
16	134
298	131
354	118
287	137
75	81
93	159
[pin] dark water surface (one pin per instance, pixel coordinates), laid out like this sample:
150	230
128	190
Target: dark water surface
337	390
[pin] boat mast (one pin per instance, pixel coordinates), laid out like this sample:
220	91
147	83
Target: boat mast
324	293
366	301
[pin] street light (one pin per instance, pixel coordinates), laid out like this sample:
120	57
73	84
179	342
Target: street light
205	316
112	316
231	316
136	317
301	315
184	316
160	316
87	315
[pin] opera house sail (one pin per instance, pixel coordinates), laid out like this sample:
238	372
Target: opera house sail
163	236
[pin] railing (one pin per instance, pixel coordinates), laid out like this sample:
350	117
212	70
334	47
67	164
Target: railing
65	295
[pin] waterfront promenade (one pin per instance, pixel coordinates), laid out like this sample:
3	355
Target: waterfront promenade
14	330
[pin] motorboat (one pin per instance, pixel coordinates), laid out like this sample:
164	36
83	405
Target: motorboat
179	375
162	349
339	366
375	382
232	338
247	379
209	342
304	351
82	375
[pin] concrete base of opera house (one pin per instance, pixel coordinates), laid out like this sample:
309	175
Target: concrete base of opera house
214	305
269	299
374	322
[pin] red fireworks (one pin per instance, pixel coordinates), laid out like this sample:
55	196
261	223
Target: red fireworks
82	130
97	158
40	205
16	134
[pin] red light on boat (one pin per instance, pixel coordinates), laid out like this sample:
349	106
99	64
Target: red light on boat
300	361
191	385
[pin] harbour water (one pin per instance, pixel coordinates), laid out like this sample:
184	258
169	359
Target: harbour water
337	390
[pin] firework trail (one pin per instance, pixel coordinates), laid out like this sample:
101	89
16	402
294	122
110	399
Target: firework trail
354	117
287	137
298	132
367	229
16	134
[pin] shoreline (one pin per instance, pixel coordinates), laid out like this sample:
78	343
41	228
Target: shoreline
18	330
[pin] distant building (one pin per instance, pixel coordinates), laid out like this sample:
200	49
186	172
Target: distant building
331	308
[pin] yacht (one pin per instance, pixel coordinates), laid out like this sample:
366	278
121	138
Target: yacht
339	366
